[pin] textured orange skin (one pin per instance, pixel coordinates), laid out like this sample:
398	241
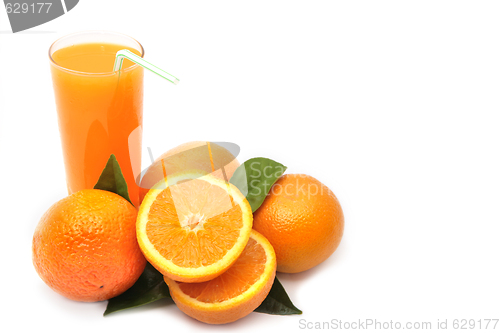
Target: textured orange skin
303	226
85	247
219	154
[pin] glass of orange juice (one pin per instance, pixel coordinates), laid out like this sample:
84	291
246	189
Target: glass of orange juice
99	110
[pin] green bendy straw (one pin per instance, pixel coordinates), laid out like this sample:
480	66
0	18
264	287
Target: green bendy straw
122	54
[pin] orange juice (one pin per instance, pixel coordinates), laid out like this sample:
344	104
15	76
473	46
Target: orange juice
99	111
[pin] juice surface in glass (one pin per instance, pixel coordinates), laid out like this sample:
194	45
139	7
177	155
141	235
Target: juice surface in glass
99	112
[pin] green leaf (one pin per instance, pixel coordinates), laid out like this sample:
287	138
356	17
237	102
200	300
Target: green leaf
151	287
148	288
277	302
255	178
112	179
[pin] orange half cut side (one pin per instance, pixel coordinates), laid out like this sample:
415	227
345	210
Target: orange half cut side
233	294
192	226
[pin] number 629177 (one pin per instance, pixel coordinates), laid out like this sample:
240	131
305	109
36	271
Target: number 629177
23	8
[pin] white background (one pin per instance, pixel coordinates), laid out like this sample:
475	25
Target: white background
392	104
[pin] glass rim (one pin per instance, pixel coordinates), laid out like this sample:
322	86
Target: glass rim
53	62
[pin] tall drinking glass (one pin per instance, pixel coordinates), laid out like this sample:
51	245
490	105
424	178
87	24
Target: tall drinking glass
99	110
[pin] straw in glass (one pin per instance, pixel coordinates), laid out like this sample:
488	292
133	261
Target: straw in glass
122	54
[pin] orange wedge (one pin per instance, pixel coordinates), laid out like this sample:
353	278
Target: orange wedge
235	293
192	226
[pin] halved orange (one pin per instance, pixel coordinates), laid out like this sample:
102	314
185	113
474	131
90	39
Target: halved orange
235	293
192	226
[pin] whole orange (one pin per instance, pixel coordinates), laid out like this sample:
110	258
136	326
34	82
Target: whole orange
85	246
303	221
